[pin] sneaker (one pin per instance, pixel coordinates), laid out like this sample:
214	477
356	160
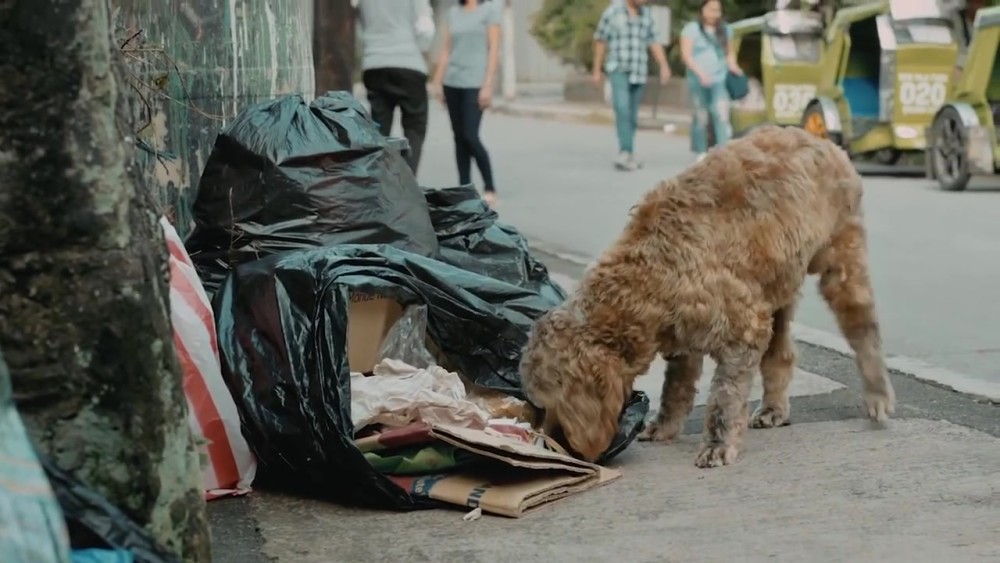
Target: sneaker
635	162
700	157
625	162
621	163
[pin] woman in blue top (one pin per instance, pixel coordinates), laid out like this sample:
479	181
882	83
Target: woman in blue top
706	49
470	52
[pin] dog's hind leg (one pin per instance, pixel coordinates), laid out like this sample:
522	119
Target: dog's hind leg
676	399
846	287
776	370
727	410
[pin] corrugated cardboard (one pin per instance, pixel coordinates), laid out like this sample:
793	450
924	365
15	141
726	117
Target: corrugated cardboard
369	318
525	476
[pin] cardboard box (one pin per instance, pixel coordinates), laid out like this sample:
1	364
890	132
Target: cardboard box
369	318
521	476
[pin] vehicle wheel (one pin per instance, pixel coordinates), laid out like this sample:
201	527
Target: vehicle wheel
948	153
814	122
887	157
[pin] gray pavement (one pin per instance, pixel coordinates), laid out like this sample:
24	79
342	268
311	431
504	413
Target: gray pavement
825	488
787	501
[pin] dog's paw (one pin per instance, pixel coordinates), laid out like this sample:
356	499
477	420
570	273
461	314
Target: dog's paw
659	432
880	404
716	456
769	417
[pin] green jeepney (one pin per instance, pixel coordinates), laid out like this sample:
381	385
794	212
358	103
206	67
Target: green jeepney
780	53
886	69
962	140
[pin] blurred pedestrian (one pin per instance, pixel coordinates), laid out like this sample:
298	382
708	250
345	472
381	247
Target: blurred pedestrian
707	52
625	36
965	19
395	35
464	81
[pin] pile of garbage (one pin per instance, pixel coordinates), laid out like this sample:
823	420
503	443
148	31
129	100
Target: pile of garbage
342	332
369	330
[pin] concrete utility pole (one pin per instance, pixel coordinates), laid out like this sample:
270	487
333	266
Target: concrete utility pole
509	64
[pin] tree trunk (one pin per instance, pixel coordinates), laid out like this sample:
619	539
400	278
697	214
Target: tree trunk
84	318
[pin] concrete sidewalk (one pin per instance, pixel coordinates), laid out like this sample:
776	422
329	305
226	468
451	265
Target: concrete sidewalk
545	105
827	491
665	118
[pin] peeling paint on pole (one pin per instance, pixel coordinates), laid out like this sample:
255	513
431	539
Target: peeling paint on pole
196	64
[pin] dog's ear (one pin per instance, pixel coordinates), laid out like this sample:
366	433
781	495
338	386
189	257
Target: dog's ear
589	409
552	321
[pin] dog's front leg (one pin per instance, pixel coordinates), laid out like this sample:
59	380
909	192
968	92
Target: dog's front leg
727	410
846	287
776	370
676	399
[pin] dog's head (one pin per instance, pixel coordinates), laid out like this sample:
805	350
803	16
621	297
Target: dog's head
576	380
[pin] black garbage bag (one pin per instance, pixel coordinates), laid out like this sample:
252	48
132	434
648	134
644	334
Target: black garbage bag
281	326
470	237
93	522
286	174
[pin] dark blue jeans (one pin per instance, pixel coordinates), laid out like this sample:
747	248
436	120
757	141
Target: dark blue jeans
625	98
466	115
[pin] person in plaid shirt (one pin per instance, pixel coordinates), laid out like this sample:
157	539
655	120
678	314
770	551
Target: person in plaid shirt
623	40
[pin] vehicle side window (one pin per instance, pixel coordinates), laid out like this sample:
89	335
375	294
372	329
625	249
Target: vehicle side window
796	48
932	32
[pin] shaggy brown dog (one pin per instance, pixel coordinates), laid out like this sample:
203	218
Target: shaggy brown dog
711	262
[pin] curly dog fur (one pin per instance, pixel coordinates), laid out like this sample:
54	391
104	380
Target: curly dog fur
712	262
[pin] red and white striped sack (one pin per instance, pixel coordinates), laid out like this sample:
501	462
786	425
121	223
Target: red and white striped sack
212	412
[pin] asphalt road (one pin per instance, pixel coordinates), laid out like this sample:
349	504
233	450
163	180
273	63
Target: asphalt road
935	256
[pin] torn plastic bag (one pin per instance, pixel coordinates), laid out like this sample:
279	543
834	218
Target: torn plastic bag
286	174
407	338
94	522
406	341
471	238
31	523
282	336
631	421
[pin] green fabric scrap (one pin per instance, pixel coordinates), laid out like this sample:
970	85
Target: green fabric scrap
416	460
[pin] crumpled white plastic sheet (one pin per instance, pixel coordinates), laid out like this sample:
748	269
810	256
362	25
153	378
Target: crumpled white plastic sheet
399	394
